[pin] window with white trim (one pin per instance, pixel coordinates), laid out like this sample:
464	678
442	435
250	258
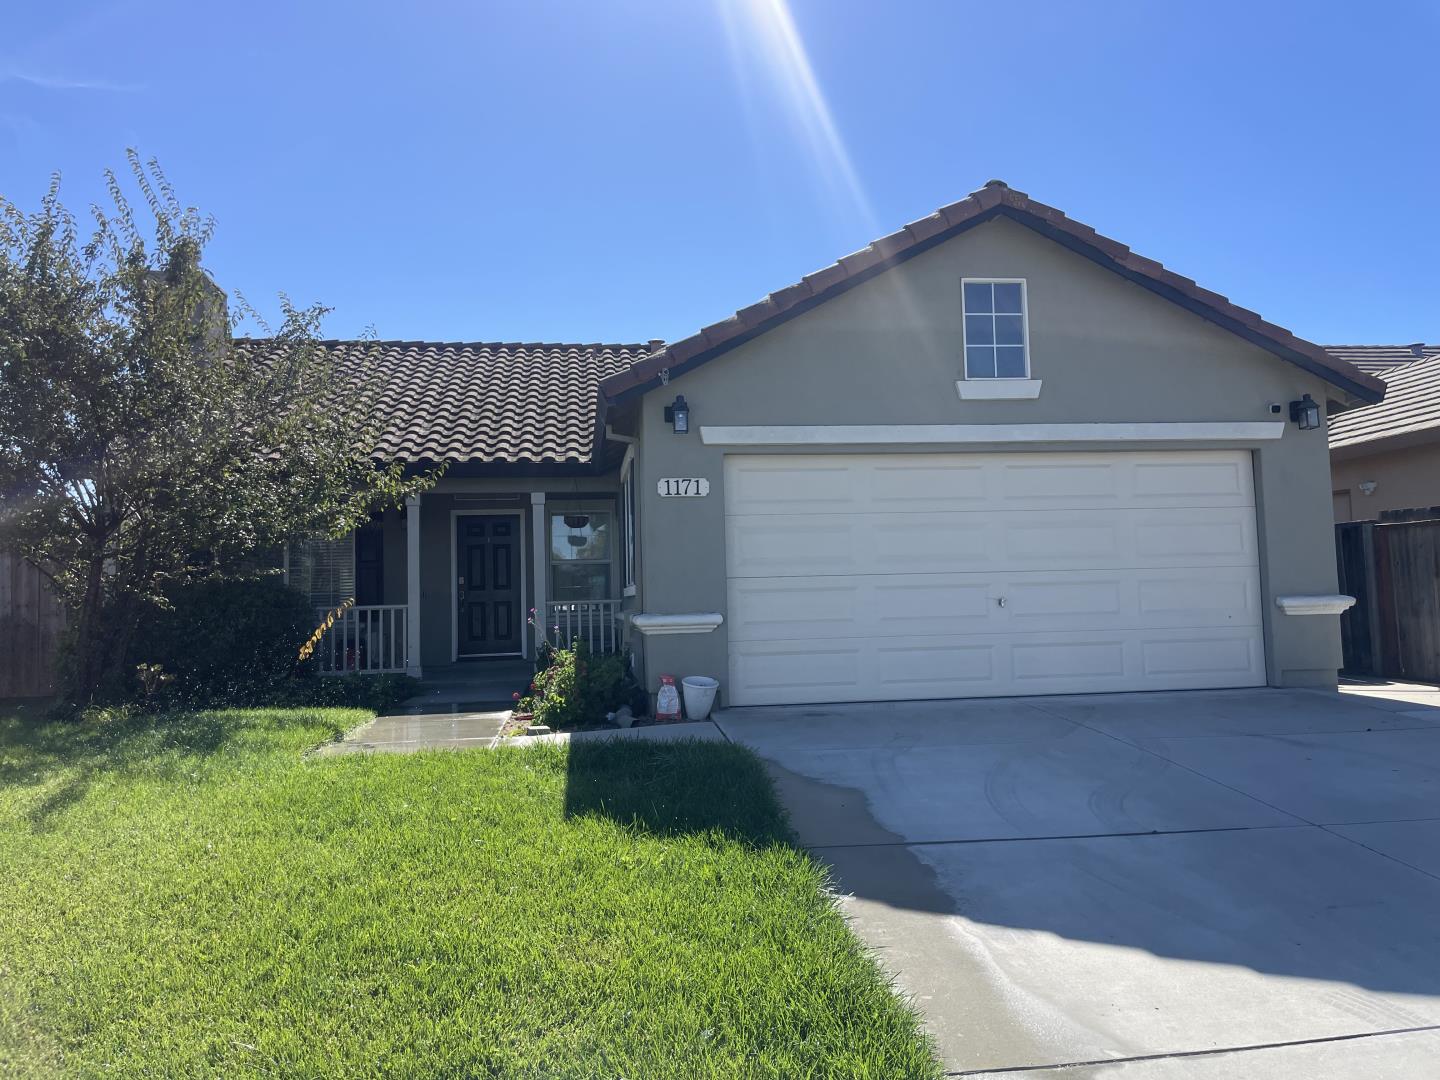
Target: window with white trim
996	331
579	553
627	512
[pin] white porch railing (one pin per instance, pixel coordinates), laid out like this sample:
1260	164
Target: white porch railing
367	640
596	622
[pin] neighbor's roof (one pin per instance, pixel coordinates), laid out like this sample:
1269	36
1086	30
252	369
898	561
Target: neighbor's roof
995	199
488	402
1412	404
1378	359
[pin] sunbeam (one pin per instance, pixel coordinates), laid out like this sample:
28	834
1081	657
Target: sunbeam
766	48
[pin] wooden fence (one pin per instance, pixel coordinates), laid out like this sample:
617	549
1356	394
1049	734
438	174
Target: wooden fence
31	619
1392	568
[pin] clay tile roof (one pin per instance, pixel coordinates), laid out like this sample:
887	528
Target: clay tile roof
1412	404
1377	359
486	402
994	199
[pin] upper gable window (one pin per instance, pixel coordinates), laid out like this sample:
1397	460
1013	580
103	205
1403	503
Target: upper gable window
996	335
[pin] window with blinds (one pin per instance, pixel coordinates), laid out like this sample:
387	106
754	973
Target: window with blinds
324	570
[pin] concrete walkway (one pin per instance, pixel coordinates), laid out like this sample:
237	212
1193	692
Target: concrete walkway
467	731
406	733
1139	887
702	730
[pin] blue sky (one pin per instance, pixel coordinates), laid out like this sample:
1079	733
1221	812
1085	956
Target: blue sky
626	169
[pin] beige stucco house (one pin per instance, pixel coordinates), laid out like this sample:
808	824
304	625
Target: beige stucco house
992	453
1386	457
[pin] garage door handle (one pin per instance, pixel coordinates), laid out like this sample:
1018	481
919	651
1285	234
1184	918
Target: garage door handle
1000	601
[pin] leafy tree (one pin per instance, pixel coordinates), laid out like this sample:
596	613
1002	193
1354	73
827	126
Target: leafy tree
141	445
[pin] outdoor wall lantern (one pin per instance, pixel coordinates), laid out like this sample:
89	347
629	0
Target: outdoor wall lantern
678	415
1305	413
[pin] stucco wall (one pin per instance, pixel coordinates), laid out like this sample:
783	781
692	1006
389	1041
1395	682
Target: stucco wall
1404	479
889	352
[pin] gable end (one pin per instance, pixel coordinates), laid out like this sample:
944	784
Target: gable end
993	200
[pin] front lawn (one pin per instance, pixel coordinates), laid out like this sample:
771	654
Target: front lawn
191	896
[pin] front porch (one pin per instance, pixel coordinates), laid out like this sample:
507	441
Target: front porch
470	574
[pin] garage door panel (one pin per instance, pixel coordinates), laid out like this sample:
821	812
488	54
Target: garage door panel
1048	597
783	609
1046	660
1198	656
1193	598
1064	538
1189	535
1221	479
1050	481
791	485
911	485
776	674
925	482
788	609
935	668
781	673
802	545
879	577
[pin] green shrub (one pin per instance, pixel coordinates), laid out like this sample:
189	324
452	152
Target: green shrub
233	641
576	688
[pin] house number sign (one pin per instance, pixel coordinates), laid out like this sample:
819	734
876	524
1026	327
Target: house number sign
682	487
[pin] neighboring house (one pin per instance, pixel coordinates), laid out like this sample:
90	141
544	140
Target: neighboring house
991	453
1387	456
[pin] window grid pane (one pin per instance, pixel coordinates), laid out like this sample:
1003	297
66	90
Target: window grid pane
994	316
1007	298
585	535
1010	362
978	297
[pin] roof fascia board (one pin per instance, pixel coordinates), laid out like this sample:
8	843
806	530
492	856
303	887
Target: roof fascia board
1196	307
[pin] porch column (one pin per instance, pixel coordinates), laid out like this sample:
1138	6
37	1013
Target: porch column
540	566
412	586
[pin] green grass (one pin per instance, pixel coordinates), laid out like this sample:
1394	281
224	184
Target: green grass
191	896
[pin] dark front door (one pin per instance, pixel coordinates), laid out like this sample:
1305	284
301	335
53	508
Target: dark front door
487	584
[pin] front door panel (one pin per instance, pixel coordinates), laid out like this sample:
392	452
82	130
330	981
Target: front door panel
487	584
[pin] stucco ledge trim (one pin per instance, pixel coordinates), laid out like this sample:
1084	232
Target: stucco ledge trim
998	389
1331	604
1244	431
700	622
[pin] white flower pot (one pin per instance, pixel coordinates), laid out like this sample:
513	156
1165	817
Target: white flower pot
700	691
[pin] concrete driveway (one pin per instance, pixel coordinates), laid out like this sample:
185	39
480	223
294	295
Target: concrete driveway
1142	886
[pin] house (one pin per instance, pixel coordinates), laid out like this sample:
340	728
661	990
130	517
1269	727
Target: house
992	453
1386	457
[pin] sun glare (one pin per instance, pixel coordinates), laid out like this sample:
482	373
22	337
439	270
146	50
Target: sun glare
769	55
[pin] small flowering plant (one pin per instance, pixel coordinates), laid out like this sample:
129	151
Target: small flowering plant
575	688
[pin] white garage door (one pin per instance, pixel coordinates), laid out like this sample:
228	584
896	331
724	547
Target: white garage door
888	576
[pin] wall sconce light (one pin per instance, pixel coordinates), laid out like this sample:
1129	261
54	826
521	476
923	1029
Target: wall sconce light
1305	413
678	415
1367	487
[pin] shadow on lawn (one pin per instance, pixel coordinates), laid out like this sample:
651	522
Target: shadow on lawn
669	789
35	749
